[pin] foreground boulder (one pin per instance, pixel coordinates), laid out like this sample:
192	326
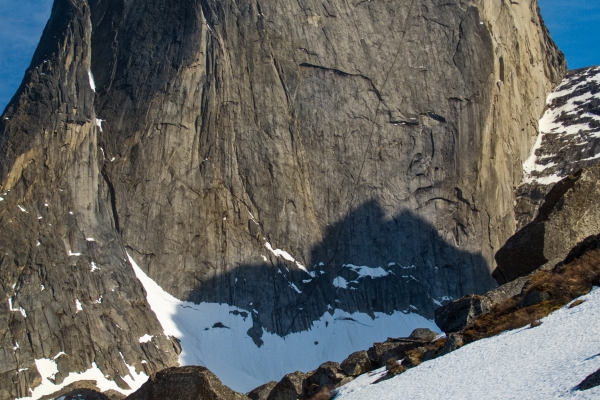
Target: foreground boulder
185	383
357	363
291	387
262	392
569	214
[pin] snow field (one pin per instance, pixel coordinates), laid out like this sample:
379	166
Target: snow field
240	364
546	362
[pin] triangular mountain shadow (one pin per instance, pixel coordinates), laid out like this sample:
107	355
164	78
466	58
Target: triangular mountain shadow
420	270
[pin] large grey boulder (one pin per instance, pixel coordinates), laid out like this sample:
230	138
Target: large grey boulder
569	214
262	392
185	383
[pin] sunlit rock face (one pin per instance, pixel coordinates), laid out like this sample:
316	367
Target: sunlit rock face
569	139
286	158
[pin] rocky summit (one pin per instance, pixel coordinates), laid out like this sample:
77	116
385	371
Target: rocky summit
274	173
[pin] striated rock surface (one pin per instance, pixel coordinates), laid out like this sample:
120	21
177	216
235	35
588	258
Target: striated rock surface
280	157
569	215
569	140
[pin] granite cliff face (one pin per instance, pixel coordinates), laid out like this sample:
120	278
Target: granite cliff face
281	157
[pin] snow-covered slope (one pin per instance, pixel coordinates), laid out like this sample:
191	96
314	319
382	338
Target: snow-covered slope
546	362
569	136
215	336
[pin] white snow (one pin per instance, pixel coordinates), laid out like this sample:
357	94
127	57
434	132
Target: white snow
340	282
91	79
545	362
48	369
70	253
90	239
287	256
364	271
293	286
22	208
78	306
94	267
20	309
240	364
548	125
146	338
99	123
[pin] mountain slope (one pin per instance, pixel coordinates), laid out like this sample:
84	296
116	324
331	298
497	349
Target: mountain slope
279	158
544	362
568	140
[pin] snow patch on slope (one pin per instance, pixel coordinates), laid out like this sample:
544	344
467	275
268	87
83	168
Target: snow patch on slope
546	362
571	123
215	336
48	369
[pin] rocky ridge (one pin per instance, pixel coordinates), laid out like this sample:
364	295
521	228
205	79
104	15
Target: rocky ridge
569	139
249	155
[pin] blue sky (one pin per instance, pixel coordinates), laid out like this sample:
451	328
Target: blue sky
574	25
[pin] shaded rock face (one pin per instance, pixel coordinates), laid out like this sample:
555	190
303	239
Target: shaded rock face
199	135
185	383
458	314
568	140
68	292
276	124
569	215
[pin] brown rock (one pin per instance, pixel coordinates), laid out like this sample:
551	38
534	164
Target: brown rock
569	215
423	335
262	392
291	387
185	383
357	363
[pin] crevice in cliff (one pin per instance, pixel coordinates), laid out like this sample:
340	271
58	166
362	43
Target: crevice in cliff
113	199
343	73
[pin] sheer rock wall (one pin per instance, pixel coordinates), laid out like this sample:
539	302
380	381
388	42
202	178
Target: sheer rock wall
383	134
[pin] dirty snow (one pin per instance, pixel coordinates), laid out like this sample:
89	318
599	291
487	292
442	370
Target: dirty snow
232	355
545	362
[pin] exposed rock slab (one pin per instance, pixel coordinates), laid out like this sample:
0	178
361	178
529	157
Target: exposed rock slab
569	215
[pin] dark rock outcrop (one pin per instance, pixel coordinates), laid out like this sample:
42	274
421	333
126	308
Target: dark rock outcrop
185	383
569	215
591	381
458	314
199	136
